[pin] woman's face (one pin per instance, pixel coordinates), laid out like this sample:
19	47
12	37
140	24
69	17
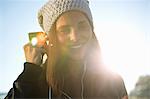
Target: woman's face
73	33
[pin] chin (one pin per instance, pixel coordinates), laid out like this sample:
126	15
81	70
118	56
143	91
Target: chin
76	56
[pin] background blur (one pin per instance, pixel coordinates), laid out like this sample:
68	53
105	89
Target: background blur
122	27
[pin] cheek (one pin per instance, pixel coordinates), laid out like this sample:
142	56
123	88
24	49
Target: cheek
85	36
61	39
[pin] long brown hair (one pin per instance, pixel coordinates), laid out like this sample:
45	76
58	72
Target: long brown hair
52	58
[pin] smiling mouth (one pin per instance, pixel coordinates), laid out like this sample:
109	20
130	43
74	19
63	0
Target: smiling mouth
76	46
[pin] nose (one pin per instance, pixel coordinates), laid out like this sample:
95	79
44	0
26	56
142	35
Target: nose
74	35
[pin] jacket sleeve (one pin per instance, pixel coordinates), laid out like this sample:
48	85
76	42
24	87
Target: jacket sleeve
26	85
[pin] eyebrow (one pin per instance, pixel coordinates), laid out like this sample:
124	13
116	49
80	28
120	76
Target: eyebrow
82	22
62	27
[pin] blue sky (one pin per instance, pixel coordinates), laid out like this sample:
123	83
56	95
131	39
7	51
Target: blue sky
122	27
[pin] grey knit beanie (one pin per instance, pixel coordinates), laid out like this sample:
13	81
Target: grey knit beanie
51	11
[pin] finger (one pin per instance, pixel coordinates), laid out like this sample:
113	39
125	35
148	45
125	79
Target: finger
28	47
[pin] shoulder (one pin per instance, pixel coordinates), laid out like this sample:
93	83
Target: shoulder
113	78
116	82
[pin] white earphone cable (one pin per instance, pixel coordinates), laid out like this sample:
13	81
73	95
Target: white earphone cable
82	81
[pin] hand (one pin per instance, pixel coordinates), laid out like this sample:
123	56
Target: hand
34	54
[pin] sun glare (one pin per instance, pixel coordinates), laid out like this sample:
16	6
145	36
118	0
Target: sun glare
122	49
34	41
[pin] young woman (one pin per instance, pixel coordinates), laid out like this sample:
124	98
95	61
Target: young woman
73	69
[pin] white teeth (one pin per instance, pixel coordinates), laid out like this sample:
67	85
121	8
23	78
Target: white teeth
77	46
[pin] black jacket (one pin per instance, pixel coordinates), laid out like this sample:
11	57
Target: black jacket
31	83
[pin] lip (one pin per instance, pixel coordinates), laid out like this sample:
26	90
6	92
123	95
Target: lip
76	46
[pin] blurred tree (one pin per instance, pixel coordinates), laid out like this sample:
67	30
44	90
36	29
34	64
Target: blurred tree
142	88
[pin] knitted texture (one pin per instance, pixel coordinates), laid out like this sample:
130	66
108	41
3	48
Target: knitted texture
51	11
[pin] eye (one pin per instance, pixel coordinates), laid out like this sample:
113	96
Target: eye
83	26
64	30
85	30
